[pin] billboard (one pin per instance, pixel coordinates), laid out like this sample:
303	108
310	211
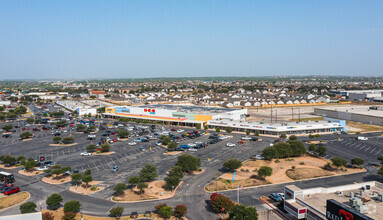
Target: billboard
337	211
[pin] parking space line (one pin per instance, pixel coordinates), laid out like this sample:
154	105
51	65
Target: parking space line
357	145
378	152
367	148
102	165
363	147
372	150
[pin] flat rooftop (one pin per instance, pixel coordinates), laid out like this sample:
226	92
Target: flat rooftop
362	110
192	109
375	208
279	124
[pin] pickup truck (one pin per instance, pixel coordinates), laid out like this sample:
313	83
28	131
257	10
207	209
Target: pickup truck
185	146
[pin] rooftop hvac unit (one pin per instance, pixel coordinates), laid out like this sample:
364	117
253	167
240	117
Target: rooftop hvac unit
351	194
355	201
362	208
380	197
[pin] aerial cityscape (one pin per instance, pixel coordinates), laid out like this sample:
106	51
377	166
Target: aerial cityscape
193	110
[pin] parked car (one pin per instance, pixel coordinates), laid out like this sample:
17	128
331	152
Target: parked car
241	142
86	154
192	149
115	168
282	195
275	197
132	143
258	157
133	215
7	135
12	190
246	138
230	145
360	138
42	168
142	149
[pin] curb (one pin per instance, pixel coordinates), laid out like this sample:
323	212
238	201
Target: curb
149	200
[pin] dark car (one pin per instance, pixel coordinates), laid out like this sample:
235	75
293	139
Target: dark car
134	215
7	135
36	129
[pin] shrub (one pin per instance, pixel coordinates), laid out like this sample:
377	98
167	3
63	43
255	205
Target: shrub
293	167
338	161
47	216
301	163
311	147
180	211
220	203
159	206
357	161
232	164
293	138
68	140
69	216
120	188
28	207
54	200
148	172
165	212
56	140
188	162
116	211
265	171
243	212
276	161
72	206
105	147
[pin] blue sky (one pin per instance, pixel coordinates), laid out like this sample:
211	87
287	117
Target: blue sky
134	39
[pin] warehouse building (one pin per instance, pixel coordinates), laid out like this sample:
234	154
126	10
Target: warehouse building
175	114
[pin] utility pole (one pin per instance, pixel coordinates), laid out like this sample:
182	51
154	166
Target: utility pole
299	114
271	111
292	112
276	115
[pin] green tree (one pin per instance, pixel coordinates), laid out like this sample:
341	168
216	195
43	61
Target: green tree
312	147
256	133
176	171
293	138
180	211
91	147
380	158
105	147
117	211
87	178
122	133
91	128
357	161
269	153
120	188
247	132
26	135
88	172
217	129
338	161
221	203
7	159
76	178
141	186
56	139
321	150
72	206
166	140
380	171
54	200
188	162
148	172
7	127
165	212
205	128
28	207
265	171
45	114
29	164
171	182
172	145
198	126
21	159
80	127
283	135
228	129
232	164
68	140
133	180
30	120
297	147
243	212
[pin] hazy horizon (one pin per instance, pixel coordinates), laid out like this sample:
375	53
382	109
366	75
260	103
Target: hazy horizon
165	39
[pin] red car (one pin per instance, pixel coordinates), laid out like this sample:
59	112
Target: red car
12	190
173	129
23	129
241	142
113	133
36	129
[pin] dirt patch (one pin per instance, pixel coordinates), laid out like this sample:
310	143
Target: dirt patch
104	153
198	172
307	173
56	180
82	189
123	139
64	145
316	142
28	139
14	199
172	153
362	127
33	173
154	191
305	167
8	168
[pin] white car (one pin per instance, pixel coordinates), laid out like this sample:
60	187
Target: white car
180	130
85	154
132	143
192	145
42	168
282	195
230	145
192	149
246	138
259	157
198	142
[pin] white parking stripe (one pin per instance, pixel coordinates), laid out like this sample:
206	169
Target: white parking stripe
357	145
367	148
363	147
372	150
377	152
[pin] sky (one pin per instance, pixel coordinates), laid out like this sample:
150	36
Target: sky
143	39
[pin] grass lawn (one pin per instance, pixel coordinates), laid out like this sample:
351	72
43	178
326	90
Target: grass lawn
13	199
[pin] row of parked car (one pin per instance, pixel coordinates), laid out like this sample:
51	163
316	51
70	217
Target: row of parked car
9	189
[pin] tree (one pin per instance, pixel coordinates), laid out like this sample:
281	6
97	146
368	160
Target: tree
56	139
87	178
7	159
265	171
247	132
117	211
30	120
176	171
120	188
26	135
141	186
380	158
171	182
321	150
29	164
297	147
269	153
28	207
45	114
91	128
205	128
198	126
256	133
311	147
188	162
54	200
217	129
80	127
221	203
293	138
338	161
243	212
88	172
180	211
76	178
232	164
72	206
133	180
283	136
172	145
105	147
68	140
148	172
47	216
7	127
228	129
357	161
166	140
20	159
165	212
122	133
91	147
380	171
159	206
